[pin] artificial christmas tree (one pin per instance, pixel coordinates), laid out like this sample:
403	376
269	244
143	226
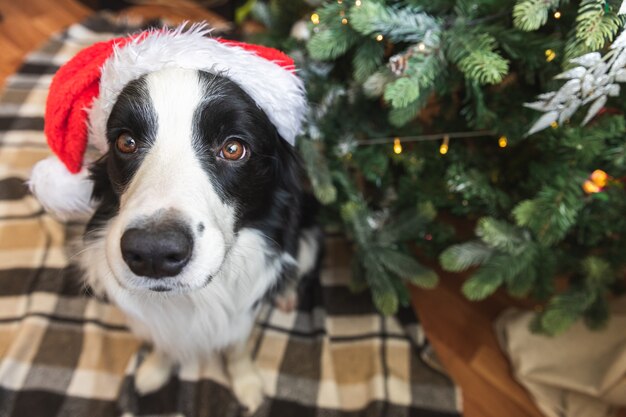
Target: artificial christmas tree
425	115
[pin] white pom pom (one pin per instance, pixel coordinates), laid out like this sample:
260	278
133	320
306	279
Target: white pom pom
65	195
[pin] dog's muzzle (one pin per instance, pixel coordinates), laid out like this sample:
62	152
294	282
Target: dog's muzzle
157	250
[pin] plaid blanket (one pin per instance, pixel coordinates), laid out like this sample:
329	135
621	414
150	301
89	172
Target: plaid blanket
64	352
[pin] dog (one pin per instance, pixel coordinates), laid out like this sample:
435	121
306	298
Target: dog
199	206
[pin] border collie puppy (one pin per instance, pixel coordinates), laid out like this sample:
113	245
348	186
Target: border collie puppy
198	206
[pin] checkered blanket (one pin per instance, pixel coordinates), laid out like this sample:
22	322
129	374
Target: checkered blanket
64	352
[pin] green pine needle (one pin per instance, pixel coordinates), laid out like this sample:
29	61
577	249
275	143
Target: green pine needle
564	310
367	59
408	268
318	171
403	24
399	116
481	285
331	43
475	55
598	272
595	26
532	14
402	92
458	258
500	235
552	213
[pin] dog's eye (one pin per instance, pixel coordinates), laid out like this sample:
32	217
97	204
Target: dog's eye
126	144
233	150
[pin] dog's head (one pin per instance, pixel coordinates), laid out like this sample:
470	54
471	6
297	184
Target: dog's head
196	136
192	160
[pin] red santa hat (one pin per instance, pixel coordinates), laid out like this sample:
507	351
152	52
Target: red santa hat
84	90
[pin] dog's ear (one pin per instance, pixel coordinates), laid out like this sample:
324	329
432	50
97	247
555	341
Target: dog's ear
289	177
289	170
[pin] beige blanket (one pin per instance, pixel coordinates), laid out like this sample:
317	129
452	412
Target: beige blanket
581	373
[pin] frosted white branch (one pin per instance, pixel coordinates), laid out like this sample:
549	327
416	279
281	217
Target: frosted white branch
594	80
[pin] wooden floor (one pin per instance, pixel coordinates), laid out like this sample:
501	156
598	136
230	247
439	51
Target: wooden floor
460	331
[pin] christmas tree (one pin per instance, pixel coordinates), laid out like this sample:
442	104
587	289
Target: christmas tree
433	118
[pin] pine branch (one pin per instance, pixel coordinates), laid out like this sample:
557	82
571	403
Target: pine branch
564	310
500	235
475	56
367	59
597	314
532	14
331	42
382	288
406	225
594	26
399	116
408	268
598	273
501	269
458	258
406	24
552	213
402	92
317	169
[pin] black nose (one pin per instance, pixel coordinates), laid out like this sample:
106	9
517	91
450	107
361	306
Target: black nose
157	251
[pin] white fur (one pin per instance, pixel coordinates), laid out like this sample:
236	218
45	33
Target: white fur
153	372
279	92
308	250
196	318
66	196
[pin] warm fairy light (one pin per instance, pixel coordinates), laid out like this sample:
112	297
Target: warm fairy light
339	1
421	46
357	3
557	14
554	125
315	18
397	146
443	149
550	55
379	37
599	178
502	141
591	188
344	21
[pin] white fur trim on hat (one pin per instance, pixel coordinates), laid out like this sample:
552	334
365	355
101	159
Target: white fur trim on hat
276	90
66	196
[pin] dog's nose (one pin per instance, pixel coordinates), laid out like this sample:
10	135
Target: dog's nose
158	251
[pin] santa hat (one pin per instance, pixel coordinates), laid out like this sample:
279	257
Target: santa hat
84	90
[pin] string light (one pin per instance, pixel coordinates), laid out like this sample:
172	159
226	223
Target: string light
339	1
590	188
426	138
379	37
357	3
554	125
397	146
315	18
443	149
502	141
599	178
344	21
550	55
421	46
557	14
